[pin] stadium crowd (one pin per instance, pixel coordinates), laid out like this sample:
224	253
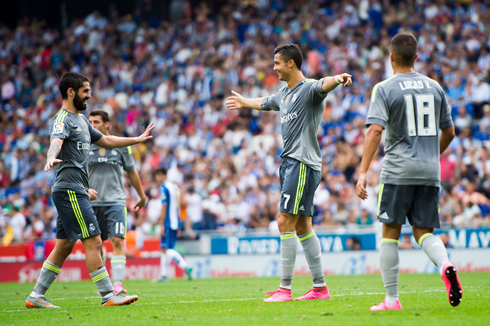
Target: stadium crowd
178	74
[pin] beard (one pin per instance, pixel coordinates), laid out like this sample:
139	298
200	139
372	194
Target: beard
78	103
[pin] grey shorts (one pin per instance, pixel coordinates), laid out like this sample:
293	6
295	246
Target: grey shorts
298	185
76	218
420	204
112	221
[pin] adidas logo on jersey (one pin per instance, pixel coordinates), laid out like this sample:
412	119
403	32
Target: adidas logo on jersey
384	216
302	208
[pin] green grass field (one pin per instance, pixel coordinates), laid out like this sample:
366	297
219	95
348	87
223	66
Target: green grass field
238	301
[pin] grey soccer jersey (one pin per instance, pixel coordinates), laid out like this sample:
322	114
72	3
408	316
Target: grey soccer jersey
77	135
412	108
301	110
105	174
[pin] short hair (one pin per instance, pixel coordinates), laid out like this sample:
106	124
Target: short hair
290	52
404	48
160	171
101	113
71	80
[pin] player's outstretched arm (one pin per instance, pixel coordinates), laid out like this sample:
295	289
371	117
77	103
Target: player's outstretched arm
330	83
116	142
135	180
53	151
446	137
237	101
373	137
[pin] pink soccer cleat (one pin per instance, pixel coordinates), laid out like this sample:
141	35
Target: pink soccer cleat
316	293
281	295
453	285
118	288
382	306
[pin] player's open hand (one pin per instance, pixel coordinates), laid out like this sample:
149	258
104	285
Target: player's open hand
361	186
146	135
50	163
140	204
345	79
92	194
235	102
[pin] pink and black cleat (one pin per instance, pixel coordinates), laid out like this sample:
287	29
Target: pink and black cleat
316	293
281	295
453	285
382	306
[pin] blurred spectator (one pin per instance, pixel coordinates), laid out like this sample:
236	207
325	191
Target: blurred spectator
178	74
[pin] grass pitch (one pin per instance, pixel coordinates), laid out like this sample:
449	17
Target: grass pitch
238	301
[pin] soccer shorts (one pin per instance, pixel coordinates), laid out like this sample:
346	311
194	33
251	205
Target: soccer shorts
168	241
112	221
76	217
298	185
420	204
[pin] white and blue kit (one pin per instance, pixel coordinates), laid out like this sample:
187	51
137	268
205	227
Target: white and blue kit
170	196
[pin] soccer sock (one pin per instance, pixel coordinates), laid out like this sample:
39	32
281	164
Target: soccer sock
389	260
174	256
289	247
102	281
434	248
163	264
118	264
49	272
313	254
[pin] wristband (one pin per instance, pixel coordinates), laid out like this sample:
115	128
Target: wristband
336	79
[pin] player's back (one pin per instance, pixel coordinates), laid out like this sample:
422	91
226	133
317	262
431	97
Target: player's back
412	108
170	195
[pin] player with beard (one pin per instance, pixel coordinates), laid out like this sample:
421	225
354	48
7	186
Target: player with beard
71	135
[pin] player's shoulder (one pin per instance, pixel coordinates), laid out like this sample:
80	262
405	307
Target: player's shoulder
61	116
387	83
309	80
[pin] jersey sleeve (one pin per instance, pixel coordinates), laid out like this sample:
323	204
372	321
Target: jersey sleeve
316	93
95	135
127	159
378	110
445	120
270	103
164	195
60	127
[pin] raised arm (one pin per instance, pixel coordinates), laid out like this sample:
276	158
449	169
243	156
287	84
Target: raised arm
53	151
238	102
116	142
330	83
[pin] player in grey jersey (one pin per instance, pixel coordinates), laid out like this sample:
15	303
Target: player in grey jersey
301	106
412	108
71	136
105	180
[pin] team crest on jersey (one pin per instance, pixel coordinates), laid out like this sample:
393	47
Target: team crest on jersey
58	128
114	152
91	153
102	152
295	96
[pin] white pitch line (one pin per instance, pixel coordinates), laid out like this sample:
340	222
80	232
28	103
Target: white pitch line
224	300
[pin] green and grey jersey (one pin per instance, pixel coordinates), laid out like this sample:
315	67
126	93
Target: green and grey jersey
301	109
105	174
412	108
77	135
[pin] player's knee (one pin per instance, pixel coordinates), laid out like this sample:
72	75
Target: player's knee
93	243
285	223
117	243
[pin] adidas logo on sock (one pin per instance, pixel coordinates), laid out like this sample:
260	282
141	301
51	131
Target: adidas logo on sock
302	208
384	216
